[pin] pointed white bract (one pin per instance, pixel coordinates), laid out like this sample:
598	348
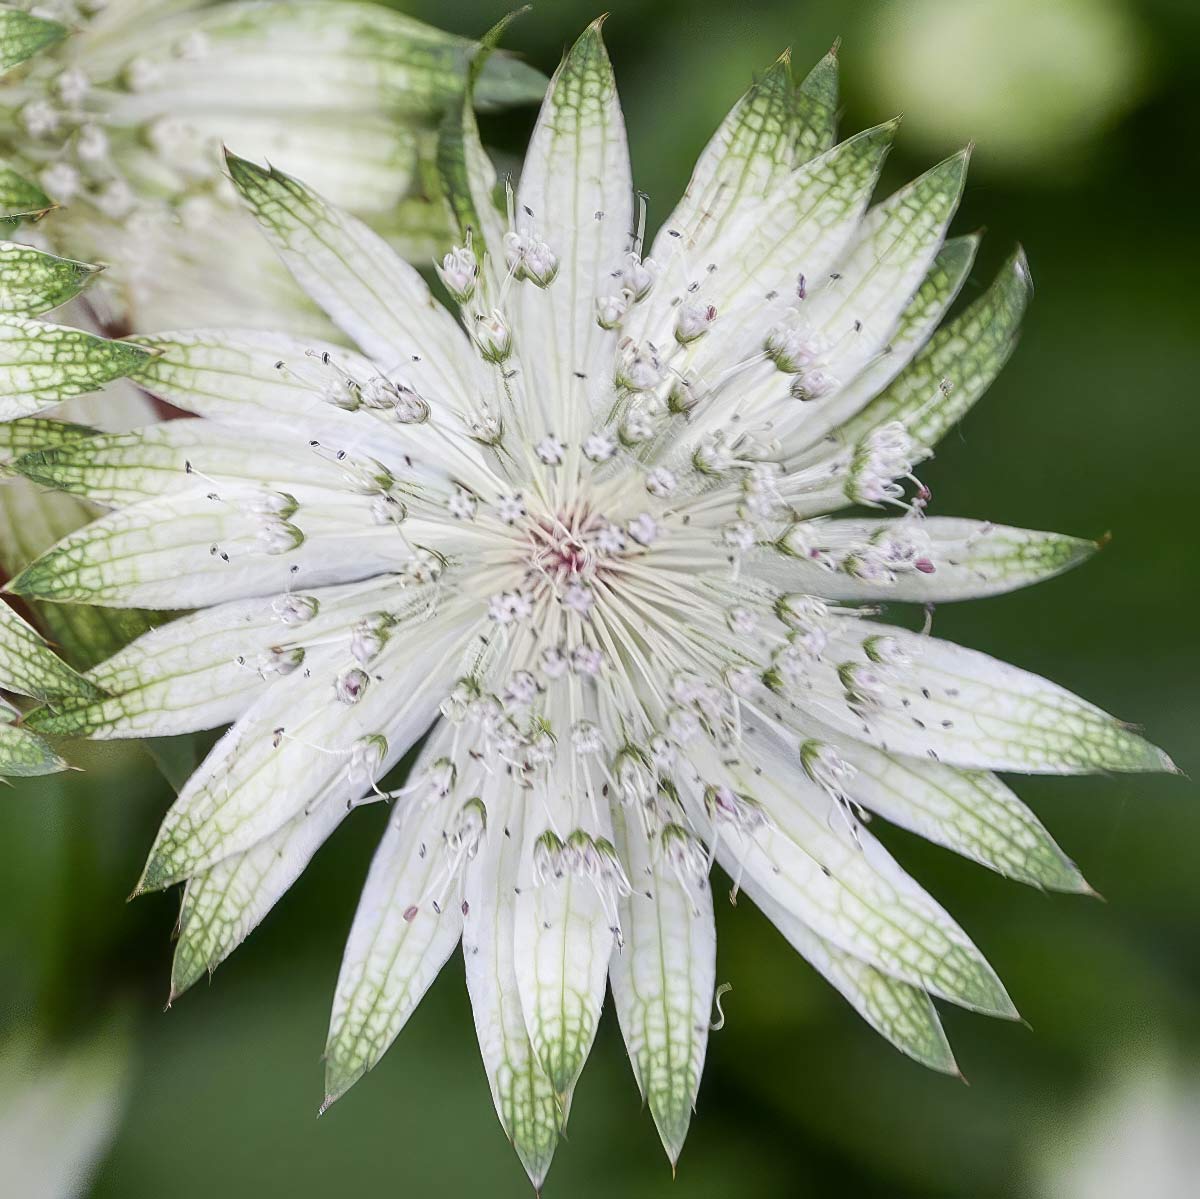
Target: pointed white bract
34	517
578	531
529	1109
116	109
663	978
43	364
408	922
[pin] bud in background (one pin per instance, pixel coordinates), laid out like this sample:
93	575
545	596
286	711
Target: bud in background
1035	82
60	1106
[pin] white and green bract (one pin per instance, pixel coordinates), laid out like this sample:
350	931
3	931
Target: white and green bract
41	365
575	536
113	112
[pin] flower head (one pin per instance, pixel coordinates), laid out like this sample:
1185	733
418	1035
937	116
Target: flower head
115	110
599	577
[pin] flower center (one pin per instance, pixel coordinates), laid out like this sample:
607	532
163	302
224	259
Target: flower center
569	544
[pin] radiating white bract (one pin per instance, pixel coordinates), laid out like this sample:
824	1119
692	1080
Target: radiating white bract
576	533
47	365
114	111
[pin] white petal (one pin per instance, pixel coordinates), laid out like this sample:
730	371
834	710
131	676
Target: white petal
19	198
955	368
801	226
29	667
898	1011
234	375
971	812
22	753
750	273
364	286
208	668
32	433
663	978
816	103
398	942
851	892
185	550
563	939
118	407
32	281
367	162
923	314
24	34
248	377
225	903
209	265
884	265
751	153
469	180
263	378
41	364
296	61
576	190
970	559
966	709
525	1101
118	469
294	748
33	518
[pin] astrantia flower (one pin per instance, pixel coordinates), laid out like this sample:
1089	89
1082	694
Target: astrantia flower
576	537
114	108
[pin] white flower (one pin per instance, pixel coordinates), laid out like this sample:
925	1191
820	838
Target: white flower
121	108
457	272
628	681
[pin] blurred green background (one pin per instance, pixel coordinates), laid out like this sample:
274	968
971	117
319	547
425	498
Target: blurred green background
1084	112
